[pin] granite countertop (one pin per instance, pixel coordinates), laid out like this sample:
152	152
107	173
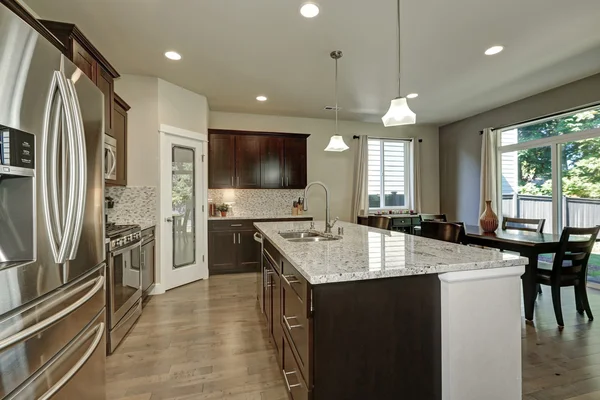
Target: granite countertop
261	216
369	253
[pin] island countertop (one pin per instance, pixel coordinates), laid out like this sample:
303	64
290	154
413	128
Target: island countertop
368	253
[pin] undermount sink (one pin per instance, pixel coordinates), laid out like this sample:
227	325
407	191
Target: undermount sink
314	239
298	235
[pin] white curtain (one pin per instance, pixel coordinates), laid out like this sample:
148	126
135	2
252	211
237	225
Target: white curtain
416	174
489	172
360	198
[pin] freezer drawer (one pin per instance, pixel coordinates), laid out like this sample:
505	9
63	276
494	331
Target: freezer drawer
76	372
31	336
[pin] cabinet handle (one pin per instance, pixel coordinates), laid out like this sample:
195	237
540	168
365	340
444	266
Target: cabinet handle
287	324
290	283
231	180
234	238
287	179
236	225
287	383
239	238
238	181
282	184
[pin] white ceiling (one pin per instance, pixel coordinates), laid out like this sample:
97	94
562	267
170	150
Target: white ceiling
234	50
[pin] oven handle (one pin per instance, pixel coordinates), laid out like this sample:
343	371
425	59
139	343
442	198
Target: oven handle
126	249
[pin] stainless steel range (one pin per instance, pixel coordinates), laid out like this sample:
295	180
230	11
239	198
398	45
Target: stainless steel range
124	281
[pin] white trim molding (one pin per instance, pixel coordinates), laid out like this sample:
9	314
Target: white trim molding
171	130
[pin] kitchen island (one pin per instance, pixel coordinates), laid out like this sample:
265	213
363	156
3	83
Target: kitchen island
383	315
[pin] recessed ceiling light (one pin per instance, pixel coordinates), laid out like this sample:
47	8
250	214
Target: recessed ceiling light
412	95
494	50
309	10
173	55
261	98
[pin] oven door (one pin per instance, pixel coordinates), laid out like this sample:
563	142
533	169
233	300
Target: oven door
110	158
125	281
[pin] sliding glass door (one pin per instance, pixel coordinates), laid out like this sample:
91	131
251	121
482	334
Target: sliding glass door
551	169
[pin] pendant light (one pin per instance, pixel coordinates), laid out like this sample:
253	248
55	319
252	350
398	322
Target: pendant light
399	112
336	143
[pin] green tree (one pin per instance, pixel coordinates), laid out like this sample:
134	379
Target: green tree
580	163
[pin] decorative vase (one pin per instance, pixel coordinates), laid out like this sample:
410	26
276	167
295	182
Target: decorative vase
488	220
223	213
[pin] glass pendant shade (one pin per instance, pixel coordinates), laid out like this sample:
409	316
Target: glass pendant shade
336	144
399	113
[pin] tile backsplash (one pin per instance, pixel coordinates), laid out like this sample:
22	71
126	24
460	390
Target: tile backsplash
133	205
253	202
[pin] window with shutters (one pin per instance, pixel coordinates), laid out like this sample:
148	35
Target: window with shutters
389	174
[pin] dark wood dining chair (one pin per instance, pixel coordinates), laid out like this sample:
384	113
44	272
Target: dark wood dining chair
433	217
380	221
570	269
523	224
362	220
447	231
527	225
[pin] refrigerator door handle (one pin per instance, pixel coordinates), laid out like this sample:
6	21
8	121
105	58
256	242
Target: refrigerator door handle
80	182
33	330
49	176
72	168
97	333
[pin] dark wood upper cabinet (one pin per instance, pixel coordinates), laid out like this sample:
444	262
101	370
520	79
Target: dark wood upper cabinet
247	162
271	163
106	85
221	161
295	163
84	61
253	160
120	134
87	58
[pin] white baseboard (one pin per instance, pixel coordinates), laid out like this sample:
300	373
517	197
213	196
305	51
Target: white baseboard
156	289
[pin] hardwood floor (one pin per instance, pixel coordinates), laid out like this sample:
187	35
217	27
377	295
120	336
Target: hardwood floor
206	340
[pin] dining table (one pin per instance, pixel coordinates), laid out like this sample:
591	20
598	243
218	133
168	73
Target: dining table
527	244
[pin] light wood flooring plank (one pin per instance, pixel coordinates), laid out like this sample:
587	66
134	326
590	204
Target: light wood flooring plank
207	340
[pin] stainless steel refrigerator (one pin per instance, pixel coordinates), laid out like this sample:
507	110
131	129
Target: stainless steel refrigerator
52	271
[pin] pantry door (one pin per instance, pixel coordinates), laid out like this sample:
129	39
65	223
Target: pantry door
183	204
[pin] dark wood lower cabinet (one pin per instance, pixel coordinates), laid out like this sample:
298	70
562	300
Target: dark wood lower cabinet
231	245
222	253
377	339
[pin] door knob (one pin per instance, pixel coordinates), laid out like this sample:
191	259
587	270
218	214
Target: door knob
169	219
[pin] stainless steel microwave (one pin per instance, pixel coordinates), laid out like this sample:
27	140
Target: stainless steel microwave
110	158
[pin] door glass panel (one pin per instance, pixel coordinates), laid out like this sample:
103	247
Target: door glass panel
527	184
580	184
184	206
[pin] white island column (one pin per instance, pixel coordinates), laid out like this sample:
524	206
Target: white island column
481	334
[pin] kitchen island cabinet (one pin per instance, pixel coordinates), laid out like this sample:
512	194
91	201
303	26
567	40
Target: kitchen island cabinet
385	315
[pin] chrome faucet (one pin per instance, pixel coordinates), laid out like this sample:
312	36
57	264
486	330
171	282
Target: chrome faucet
328	224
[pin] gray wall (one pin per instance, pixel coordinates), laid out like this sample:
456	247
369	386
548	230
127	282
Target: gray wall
460	142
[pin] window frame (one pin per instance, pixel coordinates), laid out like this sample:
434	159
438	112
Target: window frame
555	143
408	174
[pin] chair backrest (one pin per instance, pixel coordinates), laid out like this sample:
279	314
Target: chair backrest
362	220
380	221
433	217
521	224
446	231
576	245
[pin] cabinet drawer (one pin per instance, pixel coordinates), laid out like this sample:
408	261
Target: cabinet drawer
296	326
296	386
272	254
231	225
294	280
